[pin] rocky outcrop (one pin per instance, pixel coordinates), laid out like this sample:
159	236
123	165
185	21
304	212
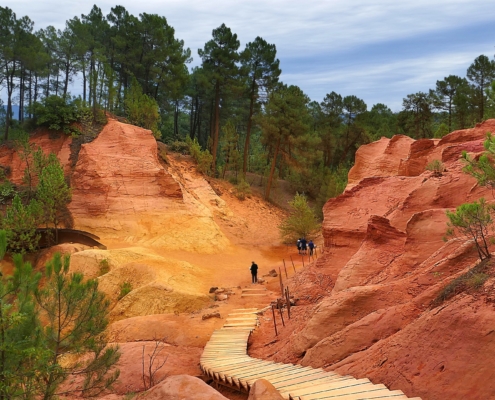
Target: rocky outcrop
58	144
181	387
121	190
264	390
385	252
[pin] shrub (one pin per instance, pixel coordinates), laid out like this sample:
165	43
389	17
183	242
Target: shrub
472	279
104	266
301	222
242	190
125	288
435	166
7	191
473	220
202	157
55	113
178	146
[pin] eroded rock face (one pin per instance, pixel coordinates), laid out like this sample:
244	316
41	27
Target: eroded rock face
179	387
385	254
264	390
57	144
120	189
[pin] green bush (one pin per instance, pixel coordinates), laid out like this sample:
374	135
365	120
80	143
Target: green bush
435	166
473	279
104	266
242	190
55	113
125	288
7	191
202	157
178	146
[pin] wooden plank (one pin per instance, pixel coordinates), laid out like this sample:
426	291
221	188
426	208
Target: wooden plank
319	390
303	387
378	394
259	373
311	375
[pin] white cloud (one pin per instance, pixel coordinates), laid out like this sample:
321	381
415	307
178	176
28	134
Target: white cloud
321	44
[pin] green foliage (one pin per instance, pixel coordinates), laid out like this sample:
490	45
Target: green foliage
125	289
441	131
55	113
435	166
471	280
483	169
142	110
77	315
301	222
22	354
7	191
203	158
333	185
20	222
229	149
36	357
474	221
179	147
242	190
53	194
104	266
284	122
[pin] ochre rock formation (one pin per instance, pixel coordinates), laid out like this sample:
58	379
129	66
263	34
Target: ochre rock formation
387	260
122	192
264	390
179	387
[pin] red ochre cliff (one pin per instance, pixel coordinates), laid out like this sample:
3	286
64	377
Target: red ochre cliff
384	262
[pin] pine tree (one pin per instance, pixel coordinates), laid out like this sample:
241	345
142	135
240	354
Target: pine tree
301	223
77	315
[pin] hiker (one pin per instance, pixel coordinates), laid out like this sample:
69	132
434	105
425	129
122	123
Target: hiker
254	272
311	246
303	245
298	244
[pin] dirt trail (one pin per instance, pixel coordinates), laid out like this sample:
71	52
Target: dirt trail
251	226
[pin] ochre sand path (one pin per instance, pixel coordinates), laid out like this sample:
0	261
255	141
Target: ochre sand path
225	360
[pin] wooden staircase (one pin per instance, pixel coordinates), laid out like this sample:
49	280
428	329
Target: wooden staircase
225	360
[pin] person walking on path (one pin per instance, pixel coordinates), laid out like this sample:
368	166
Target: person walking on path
254	272
311	246
303	245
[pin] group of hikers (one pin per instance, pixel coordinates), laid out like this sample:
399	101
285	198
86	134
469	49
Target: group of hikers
303	245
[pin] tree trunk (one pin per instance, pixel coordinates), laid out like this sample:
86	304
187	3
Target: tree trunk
66	83
84	84
272	170
217	128
10	89
248	130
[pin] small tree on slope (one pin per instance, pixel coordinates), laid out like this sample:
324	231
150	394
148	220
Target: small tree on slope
475	221
301	222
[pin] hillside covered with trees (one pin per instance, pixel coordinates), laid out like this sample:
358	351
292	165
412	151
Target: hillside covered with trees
243	118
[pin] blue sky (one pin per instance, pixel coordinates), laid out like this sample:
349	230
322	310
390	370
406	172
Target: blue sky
379	51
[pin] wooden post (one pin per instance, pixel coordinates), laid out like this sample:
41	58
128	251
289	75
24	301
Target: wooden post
293	266
281	313
274	322
281	282
287	299
286	276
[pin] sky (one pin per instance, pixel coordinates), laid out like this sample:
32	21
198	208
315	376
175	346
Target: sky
379	51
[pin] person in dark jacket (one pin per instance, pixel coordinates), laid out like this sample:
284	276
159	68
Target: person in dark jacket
311	246
304	247
254	272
